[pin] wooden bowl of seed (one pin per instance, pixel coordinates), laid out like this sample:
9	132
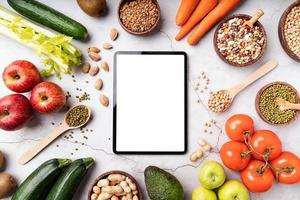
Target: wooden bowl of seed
267	108
115	185
230	43
289	31
139	17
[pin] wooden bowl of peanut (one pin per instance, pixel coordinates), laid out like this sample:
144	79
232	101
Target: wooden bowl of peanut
115	185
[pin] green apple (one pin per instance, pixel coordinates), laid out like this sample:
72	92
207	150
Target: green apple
200	193
212	175
233	190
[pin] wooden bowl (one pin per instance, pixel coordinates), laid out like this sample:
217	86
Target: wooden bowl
256	24
259	93
122	2
106	174
281	32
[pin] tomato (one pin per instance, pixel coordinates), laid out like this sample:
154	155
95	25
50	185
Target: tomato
232	155
237	126
288	166
256	178
266	142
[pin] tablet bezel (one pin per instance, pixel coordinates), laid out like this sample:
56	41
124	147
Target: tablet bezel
185	101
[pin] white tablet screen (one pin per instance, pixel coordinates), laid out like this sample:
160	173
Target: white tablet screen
150	107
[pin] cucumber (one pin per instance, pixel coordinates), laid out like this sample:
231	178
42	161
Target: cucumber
68	182
49	17
38	183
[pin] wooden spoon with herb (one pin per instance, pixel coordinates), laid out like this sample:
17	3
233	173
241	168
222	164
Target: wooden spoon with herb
75	118
285	105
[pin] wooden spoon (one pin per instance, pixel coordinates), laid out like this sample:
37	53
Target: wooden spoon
254	19
285	105
31	153
232	92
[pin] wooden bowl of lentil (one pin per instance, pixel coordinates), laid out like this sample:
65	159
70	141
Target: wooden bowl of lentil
106	174
268	95
147	24
217	41
286	39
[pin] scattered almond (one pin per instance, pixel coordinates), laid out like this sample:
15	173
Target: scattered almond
105	66
94	71
94	56
107	46
104	100
113	34
86	67
98	84
93	49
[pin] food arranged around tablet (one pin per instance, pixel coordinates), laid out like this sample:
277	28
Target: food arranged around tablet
258	156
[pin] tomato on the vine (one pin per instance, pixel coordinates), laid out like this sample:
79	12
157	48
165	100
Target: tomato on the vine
257	177
287	167
238	127
267	144
235	155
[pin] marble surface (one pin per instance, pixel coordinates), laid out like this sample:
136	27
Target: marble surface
202	58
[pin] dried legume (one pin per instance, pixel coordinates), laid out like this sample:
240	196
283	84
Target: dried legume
219	101
77	116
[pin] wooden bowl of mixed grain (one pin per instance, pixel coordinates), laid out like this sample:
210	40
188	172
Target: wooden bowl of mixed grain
232	49
139	17
109	178
268	110
289	31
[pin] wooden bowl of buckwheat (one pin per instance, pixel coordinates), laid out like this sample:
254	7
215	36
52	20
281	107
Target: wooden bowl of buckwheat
289	31
238	44
139	17
115	185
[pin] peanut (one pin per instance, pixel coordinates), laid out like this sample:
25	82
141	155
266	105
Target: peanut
207	147
103	183
196	155
125	186
130	183
135	197
114	198
96	190
104	196
202	142
94	196
112	189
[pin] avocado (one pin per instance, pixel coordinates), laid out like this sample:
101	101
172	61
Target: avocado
162	185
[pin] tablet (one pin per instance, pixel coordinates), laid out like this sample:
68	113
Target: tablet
150	103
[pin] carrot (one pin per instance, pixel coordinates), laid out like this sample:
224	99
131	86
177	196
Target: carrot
222	9
203	8
185	10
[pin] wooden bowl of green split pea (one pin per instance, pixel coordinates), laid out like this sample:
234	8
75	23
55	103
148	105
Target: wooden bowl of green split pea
268	110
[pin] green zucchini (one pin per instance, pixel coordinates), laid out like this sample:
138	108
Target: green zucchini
68	182
38	183
49	17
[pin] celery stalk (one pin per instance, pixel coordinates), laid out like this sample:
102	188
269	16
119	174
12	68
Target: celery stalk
56	50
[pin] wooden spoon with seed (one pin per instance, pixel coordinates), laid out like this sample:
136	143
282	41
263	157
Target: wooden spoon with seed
31	153
254	19
285	105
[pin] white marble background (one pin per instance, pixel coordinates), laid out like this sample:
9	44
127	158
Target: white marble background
202	58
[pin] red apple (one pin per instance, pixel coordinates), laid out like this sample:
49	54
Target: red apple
47	97
15	111
21	76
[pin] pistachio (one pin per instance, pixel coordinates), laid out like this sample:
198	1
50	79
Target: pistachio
86	67
94	56
104	100
105	66
94	71
113	34
98	84
107	46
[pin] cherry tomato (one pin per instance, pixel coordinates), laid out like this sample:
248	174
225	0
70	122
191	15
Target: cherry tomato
235	155
257	178
237	126
266	142
288	166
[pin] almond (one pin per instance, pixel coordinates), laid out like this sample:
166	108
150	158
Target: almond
94	71
98	84
93	49
94	56
113	34
107	46
105	66
86	67
104	100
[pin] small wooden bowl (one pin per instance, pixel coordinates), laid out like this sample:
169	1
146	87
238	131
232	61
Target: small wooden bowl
256	24
282	38
106	174
259	93
122	2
